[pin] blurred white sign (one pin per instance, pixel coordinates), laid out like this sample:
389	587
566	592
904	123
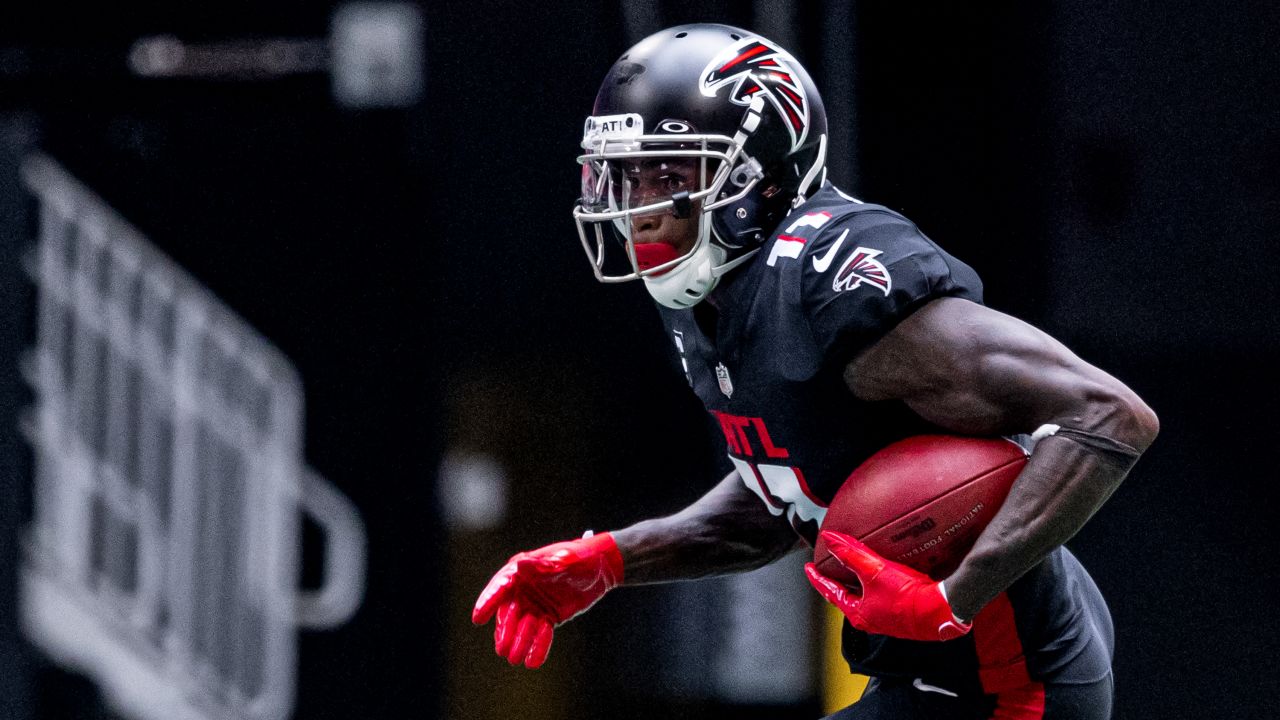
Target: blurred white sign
377	54
163	555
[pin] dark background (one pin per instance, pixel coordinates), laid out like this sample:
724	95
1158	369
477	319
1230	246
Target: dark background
1112	170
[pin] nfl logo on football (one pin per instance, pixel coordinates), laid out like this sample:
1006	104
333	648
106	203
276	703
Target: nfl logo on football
726	385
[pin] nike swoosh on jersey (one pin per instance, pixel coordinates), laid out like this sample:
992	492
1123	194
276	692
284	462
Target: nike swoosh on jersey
821	264
919	684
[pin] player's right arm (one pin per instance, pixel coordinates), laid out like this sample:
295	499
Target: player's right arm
727	530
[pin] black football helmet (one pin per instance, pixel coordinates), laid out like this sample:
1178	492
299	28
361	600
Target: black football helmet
736	103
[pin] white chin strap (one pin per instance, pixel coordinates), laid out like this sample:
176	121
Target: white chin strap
688	283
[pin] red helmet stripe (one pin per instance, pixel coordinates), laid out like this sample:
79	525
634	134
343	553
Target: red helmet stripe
746	54
795	119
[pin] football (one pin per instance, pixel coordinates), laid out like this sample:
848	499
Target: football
922	501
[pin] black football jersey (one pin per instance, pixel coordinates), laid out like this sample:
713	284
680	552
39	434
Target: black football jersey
768	360
766	355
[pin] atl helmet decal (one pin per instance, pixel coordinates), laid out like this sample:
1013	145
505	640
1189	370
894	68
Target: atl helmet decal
862	267
753	66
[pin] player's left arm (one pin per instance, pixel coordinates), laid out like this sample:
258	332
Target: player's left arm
977	371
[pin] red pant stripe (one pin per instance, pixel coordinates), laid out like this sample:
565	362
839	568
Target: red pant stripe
1002	665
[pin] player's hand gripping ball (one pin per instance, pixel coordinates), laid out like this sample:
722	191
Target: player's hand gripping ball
894	599
539	589
905	518
923	501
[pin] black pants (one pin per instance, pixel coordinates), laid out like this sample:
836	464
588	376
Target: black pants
914	700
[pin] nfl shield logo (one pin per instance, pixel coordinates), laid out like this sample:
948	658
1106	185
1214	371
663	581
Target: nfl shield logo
726	385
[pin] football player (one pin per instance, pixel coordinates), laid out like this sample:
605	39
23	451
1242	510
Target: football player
818	329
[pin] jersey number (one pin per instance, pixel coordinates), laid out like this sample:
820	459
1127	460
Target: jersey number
782	489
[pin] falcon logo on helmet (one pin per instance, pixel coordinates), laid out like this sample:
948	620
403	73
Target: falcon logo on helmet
754	66
862	267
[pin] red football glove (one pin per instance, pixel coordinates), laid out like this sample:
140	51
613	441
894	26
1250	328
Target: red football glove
539	589
896	600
